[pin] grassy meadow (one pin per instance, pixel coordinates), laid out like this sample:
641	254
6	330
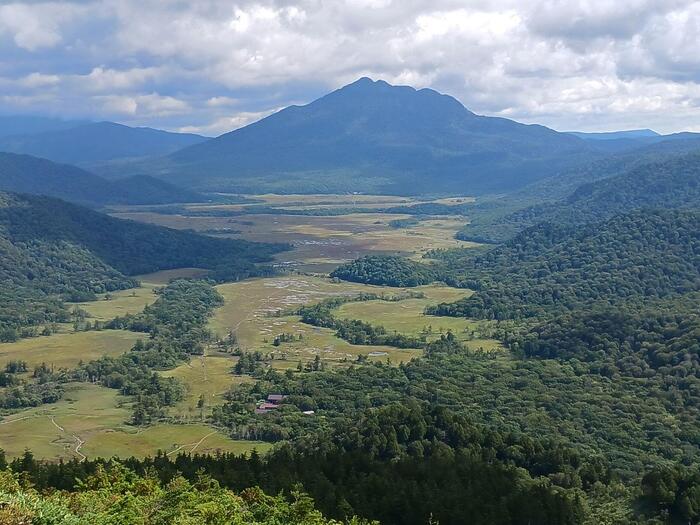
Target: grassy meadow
66	350
90	422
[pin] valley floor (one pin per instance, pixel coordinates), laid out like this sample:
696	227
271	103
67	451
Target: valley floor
90	421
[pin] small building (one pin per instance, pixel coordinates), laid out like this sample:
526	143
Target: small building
272	403
276	398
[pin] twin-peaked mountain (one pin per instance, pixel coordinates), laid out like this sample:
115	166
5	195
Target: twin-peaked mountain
373	137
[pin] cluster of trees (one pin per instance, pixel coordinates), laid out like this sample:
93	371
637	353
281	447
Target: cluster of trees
31	394
44	386
286	338
385	270
674	491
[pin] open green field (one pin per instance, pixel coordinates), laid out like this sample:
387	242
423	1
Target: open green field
251	310
208	376
90	422
66	350
115	304
407	317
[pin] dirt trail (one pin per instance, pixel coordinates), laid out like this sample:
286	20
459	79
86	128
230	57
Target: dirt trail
59	427
201	441
79	444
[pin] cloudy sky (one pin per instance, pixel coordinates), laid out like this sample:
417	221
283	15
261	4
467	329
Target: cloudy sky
210	66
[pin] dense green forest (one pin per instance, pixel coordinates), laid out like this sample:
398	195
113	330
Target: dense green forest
632	182
52	252
551	268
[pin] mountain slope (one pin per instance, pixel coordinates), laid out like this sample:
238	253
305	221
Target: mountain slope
630	258
371	136
97	142
653	177
26	174
51	251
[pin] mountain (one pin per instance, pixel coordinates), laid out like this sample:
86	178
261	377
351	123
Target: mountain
615	135
97	143
51	251
27	174
29	125
374	137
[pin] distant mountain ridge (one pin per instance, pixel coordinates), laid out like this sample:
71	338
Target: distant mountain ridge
374	137
32	175
97	142
613	135
31	124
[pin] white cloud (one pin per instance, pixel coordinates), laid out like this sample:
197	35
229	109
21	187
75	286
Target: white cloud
565	63
39	80
151	105
229	123
34	26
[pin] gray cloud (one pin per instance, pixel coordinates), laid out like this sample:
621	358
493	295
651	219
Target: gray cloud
213	65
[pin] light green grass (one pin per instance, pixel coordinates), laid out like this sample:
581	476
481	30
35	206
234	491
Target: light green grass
250	307
169	438
407	317
123	302
67	350
92	419
208	376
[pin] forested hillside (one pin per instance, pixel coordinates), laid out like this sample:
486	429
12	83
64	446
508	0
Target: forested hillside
547	268
53	251
647	179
